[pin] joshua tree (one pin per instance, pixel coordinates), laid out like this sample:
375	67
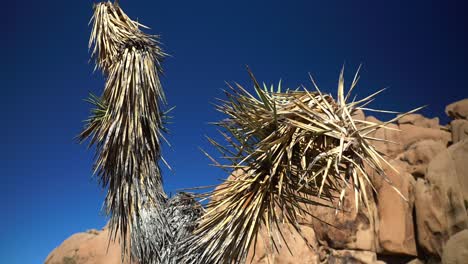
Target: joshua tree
127	123
287	148
127	126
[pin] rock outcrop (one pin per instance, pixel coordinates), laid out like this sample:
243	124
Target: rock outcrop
459	130
441	209
418	156
419	120
85	248
458	110
411	134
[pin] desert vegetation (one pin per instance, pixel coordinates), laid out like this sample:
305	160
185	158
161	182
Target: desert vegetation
286	152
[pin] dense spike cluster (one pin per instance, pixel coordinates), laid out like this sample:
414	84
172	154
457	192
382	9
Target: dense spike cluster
126	125
181	212
287	149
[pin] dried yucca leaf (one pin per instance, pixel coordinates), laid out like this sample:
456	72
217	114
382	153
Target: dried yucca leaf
113	30
127	123
288	149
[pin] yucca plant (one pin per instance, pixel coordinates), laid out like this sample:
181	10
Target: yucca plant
288	149
127	125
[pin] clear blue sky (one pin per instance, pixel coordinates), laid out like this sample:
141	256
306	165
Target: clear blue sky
48	193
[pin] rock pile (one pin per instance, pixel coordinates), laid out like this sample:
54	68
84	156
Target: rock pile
88	247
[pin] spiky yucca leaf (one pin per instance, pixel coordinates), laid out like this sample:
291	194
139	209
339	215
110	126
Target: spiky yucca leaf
288	149
113	31
127	124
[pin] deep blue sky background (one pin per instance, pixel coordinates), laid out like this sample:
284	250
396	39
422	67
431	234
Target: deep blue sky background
418	49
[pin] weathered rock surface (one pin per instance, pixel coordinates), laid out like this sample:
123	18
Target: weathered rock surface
430	220
441	198
411	134
86	248
358	115
390	134
350	229
418	156
459	155
448	171
396	231
298	249
456	249
458	110
352	257
459	129
419	120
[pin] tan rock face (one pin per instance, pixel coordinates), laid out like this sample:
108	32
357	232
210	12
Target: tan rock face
379	133
391	134
448	171
394	137
350	229
430	219
396	232
459	155
352	257
294	249
458	110
411	134
419	120
459	129
86	248
441	198
456	249
418	156
359	115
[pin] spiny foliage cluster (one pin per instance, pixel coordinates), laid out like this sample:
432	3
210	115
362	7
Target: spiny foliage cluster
182	213
287	149
127	123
